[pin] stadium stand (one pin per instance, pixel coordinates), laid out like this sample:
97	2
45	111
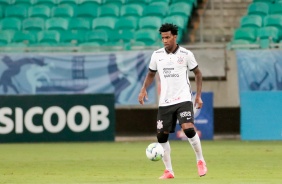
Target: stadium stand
90	22
264	23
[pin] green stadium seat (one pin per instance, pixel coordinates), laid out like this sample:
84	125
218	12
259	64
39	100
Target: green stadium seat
125	36
4	4
24	37
176	20
251	21
49	36
150	23
72	3
115	2
10	23
73	37
190	2
249	34
264	1
156	10
131	10
49	3
276	9
242	44
98	36
86	11
33	24
25	3
149	37
91	3
125	24
57	23
182	9
65	11
40	11
79	24
138	2
108	11
1	12
6	37
16	11
104	23
273	20
259	8
268	35
164	2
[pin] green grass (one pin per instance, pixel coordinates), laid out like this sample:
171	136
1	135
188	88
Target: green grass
229	162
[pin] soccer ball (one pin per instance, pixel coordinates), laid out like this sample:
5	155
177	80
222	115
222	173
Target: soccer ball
154	151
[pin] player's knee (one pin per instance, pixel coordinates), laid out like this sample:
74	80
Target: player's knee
190	132
162	137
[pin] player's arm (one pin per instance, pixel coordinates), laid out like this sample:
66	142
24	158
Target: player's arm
147	82
198	80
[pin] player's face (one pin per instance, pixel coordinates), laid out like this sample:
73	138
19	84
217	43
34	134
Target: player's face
169	40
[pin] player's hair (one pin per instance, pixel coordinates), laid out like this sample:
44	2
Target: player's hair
169	27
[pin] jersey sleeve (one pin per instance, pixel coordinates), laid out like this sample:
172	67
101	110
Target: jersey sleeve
192	63
153	63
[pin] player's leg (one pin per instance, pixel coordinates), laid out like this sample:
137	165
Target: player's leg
163	129
186	120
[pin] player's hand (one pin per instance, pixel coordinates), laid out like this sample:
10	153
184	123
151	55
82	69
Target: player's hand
143	94
198	103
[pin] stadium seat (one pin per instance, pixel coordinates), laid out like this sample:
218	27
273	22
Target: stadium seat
149	22
125	24
156	10
276	9
49	3
10	23
104	23
251	21
57	23
142	3
108	11
79	24
49	36
273	20
114	2
147	36
177	20
72	3
5	37
131	10
87	11
91	3
73	37
40	11
1	12
25	3
152	2
125	36
182	9
190	2
249	34
63	11
24	37
99	36
4	4
33	24
259	8
268	35
264	1
16	11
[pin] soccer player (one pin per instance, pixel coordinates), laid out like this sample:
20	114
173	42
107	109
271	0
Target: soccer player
173	63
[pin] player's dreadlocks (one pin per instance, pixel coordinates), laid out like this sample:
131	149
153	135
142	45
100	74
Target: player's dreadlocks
169	27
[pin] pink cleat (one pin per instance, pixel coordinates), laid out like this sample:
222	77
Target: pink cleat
202	168
167	175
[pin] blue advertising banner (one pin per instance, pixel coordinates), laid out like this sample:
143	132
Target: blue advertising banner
120	73
261	117
260	85
203	120
259	70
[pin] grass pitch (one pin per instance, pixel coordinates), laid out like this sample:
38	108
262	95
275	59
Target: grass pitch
229	162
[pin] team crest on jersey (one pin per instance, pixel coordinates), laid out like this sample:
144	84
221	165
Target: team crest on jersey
160	124
180	59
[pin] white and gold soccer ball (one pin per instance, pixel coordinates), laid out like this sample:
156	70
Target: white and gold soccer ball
155	151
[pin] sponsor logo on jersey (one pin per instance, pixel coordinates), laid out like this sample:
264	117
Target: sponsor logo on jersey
171	99
184	52
160	51
168	72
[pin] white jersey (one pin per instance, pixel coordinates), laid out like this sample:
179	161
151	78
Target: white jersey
173	70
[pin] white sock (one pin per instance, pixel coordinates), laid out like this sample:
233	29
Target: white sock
166	159
196	145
